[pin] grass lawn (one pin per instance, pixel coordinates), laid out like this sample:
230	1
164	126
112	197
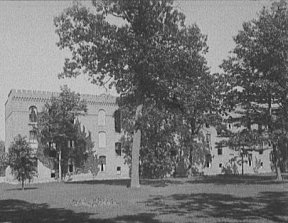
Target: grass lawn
205	199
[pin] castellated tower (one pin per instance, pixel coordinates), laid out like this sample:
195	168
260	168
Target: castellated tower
21	110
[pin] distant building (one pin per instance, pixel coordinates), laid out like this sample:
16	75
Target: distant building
223	159
21	111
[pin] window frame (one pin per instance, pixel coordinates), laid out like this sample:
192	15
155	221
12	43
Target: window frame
31	109
101	117
100	146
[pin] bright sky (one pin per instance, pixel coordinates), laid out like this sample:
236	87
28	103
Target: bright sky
30	59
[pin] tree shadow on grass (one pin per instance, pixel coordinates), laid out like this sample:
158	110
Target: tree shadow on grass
236	179
19	211
162	182
120	182
271	206
126	182
18	188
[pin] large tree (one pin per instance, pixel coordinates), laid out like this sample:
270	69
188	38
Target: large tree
3	156
198	112
22	160
145	56
256	74
158	145
60	132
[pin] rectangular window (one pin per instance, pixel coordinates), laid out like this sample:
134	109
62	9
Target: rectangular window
33	114
118	148
118	170
33	136
53	175
250	159
208	138
102	160
71	144
220	152
117	120
101	118
70	168
208	160
260	151
102	140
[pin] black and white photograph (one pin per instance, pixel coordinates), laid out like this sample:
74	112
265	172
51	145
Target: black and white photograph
143	111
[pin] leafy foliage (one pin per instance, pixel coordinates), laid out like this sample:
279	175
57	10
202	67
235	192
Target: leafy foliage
166	141
3	158
91	164
60	131
22	160
157	142
256	76
151	57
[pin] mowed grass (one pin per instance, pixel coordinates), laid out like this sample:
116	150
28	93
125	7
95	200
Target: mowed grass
204	199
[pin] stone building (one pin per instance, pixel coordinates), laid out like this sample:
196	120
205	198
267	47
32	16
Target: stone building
223	159
21	110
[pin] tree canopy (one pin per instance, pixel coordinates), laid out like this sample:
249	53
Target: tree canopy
22	160
256	77
60	131
150	55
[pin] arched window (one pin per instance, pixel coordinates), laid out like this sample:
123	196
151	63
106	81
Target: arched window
117	120
33	114
102	139
101	118
33	136
230	123
208	161
102	161
118	148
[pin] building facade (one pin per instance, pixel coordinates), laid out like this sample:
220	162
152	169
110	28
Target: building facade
21	110
223	159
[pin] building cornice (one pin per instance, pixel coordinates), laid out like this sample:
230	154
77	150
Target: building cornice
45	96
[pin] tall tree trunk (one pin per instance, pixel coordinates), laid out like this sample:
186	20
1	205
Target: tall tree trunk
22	184
59	165
242	162
277	164
190	174
278	173
136	150
275	152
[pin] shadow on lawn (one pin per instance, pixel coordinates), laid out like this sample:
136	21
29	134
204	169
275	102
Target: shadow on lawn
19	188
219	179
236	179
120	182
126	182
272	206
162	182
19	211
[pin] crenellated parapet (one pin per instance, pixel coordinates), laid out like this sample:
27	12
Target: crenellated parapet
45	96
30	95
103	99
